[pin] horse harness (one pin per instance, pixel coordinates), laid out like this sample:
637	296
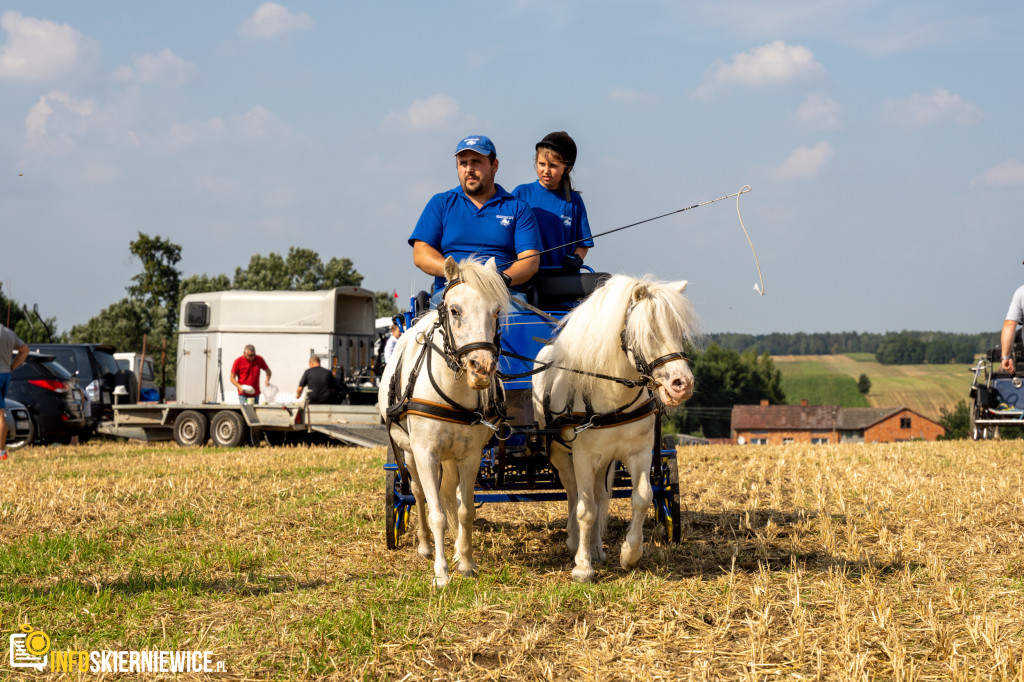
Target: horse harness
630	412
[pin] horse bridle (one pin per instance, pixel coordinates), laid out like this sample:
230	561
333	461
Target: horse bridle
644	368
452	355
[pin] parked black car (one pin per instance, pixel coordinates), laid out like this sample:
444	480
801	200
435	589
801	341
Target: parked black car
97	371
52	396
21	430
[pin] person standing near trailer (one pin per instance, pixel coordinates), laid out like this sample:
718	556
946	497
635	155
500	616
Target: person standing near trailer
245	375
320	383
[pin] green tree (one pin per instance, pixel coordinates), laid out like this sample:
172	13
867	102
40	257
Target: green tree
864	384
302	270
159	282
201	284
957	421
725	378
387	304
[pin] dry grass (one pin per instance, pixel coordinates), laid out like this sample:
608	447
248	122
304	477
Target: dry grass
900	561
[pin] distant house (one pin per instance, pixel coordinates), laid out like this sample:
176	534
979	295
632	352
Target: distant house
766	424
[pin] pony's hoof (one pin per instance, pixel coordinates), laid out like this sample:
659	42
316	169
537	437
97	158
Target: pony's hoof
630	557
440	582
583	575
470	571
600	556
425	552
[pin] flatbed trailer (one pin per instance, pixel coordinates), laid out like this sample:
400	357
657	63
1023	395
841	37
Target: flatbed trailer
231	425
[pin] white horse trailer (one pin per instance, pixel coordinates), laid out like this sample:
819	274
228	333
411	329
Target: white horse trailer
286	328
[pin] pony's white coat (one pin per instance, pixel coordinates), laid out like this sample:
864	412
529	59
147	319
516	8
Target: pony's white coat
429	445
658	320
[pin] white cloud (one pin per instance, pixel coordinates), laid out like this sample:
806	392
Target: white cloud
769	65
818	111
165	69
805	162
271	20
919	111
260	124
184	135
433	113
1007	173
39	50
39	115
624	96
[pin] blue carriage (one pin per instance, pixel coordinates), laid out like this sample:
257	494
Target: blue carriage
515	465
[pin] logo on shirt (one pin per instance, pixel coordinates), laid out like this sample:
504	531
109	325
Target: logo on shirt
567	220
505	220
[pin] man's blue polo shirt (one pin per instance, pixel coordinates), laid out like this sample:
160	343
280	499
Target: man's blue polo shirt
452	224
560	221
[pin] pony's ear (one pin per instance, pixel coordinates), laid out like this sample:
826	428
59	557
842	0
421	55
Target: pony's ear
491	264
451	269
679	286
639	293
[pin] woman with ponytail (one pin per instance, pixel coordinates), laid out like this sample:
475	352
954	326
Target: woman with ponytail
556	204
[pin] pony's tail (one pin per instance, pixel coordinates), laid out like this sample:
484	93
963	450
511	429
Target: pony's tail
448	494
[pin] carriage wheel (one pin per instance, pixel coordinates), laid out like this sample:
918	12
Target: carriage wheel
396	514
668	504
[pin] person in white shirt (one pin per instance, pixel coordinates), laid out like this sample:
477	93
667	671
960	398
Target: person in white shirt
389	347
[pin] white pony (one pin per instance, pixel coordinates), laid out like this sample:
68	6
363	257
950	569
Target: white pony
622	345
441	397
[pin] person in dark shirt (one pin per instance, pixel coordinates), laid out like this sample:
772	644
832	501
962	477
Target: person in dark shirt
319	381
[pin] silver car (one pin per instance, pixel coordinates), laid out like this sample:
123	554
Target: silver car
20	428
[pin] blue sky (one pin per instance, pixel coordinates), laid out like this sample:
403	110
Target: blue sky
882	142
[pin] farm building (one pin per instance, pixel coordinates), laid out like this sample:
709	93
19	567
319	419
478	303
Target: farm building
766	424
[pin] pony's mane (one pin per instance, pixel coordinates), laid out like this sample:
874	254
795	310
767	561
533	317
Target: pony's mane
486	281
589	336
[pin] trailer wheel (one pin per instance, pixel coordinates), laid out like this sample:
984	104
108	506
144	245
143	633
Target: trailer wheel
227	429
191	429
668	510
396	514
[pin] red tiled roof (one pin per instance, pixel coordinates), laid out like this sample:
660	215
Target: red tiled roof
785	417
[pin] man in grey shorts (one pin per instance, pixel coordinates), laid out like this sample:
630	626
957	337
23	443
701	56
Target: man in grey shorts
9	342
1014	316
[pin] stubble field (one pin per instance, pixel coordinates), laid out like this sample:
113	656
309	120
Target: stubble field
900	561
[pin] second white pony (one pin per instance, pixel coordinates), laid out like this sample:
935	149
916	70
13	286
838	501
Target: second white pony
616	356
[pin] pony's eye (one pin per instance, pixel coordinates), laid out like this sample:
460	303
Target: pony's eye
456	312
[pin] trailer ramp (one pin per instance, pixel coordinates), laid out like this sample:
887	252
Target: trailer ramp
360	435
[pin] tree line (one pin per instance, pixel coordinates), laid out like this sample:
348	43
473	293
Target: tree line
150	309
889	348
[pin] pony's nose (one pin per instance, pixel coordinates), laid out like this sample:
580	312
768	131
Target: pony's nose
481	363
682	387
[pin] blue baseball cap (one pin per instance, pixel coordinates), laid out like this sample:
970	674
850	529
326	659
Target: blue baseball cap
477	143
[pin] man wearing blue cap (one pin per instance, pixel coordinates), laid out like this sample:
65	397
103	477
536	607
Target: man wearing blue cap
477	218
